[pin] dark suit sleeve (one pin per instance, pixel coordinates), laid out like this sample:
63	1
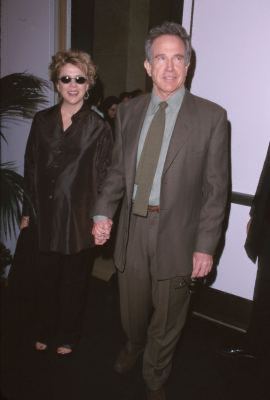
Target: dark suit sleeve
262	183
113	187
215	186
104	155
259	229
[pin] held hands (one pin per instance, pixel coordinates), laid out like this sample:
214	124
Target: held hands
101	231
202	265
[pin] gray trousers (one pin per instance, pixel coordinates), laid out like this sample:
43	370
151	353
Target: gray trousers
153	312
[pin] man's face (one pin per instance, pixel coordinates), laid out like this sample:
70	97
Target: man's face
167	65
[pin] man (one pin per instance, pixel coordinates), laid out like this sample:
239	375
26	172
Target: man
173	190
256	341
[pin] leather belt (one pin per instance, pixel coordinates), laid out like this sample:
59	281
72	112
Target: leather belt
153	208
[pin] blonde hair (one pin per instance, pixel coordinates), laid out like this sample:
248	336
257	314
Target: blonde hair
78	58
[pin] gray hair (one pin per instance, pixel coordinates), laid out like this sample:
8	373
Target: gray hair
168	28
78	58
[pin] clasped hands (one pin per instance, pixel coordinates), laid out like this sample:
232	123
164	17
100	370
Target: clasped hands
101	231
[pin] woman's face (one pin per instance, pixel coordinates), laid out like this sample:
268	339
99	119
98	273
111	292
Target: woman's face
72	91
112	111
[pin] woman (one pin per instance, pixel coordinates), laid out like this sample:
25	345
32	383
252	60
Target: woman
67	154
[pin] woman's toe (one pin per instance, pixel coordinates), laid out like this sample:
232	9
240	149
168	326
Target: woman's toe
40	346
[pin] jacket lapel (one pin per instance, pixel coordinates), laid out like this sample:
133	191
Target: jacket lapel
182	130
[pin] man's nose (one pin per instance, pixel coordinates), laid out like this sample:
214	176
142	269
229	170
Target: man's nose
169	64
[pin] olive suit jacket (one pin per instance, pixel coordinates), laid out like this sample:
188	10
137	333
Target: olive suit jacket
259	230
194	182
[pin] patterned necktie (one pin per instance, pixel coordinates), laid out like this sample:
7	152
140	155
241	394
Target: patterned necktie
148	161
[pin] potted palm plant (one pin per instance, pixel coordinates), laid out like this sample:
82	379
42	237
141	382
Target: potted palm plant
22	95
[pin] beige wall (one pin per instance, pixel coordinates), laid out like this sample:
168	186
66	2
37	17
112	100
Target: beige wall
232	69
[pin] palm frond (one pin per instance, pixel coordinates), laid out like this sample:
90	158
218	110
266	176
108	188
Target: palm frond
22	95
12	195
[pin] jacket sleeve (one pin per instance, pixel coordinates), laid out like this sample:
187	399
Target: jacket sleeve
113	186
215	187
104	155
262	182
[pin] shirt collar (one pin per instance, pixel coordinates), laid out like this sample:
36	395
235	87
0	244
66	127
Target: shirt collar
173	101
84	109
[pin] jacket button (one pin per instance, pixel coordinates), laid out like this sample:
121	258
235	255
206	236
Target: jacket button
50	197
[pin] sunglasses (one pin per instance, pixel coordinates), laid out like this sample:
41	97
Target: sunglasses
78	79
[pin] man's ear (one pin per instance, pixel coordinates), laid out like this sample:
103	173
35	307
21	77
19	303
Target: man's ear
147	66
186	69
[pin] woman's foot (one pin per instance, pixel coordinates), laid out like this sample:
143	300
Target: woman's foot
64	350
39	346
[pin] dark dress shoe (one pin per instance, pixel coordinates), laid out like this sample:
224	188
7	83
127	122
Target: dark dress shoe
126	360
237	351
156	394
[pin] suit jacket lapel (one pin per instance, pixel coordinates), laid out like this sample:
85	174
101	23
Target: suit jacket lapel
182	129
135	118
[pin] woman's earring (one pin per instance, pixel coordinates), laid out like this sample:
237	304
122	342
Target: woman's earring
86	96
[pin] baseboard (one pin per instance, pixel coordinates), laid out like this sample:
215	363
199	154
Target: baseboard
221	307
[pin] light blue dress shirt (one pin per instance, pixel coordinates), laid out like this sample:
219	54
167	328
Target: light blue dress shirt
174	104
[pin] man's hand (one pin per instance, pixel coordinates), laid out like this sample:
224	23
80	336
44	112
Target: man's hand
24	222
101	231
202	265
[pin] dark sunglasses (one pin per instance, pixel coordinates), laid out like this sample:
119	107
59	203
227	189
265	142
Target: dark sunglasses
78	79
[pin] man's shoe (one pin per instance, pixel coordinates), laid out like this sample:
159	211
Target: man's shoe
156	394
126	360
237	352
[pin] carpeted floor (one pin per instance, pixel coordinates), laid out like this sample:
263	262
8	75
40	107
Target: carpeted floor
199	372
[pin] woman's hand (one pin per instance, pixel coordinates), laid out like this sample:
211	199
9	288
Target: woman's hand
24	222
101	231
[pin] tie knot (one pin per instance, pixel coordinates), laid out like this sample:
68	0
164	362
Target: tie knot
163	105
